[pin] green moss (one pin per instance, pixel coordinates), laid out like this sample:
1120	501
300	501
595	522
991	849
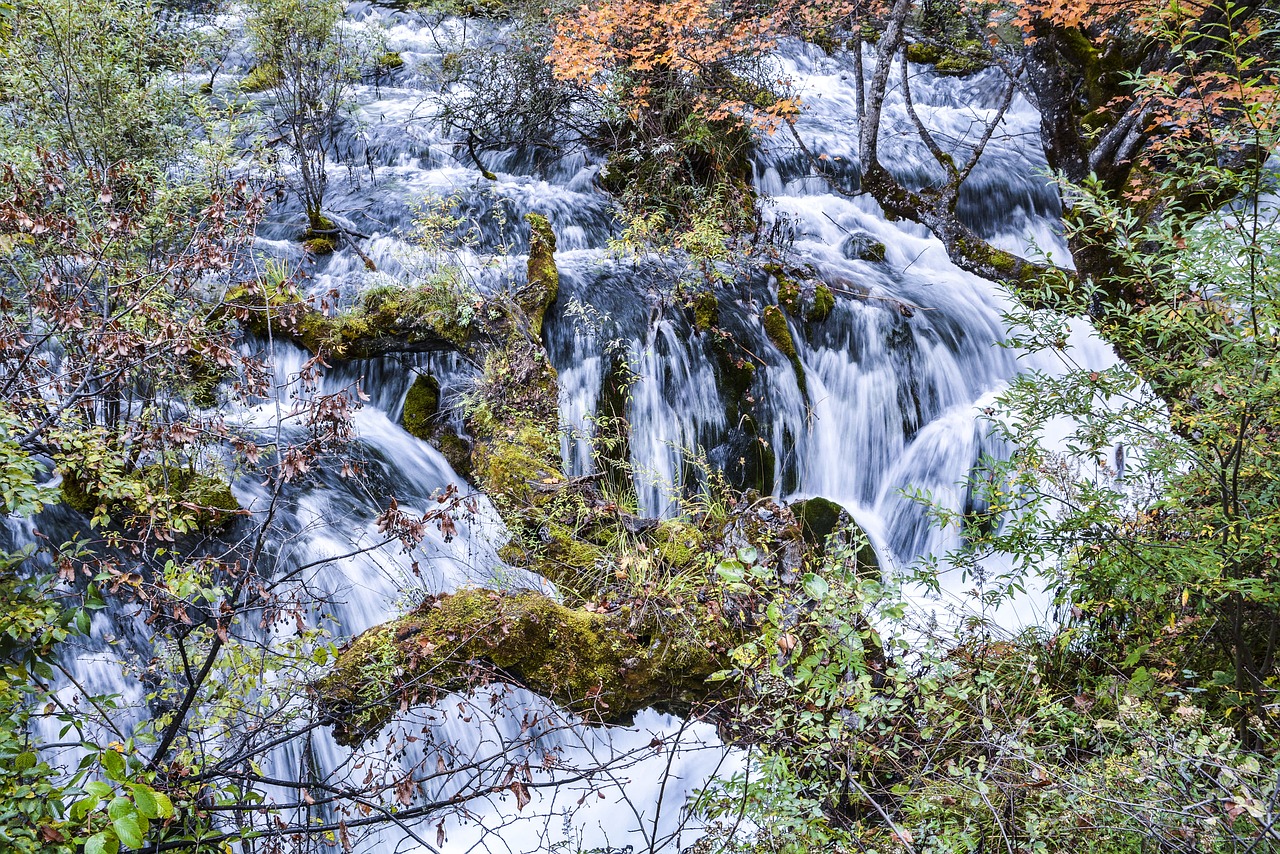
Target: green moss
962	64
544	279
593	664
775	326
456	450
874	251
421	406
706	311
421	419
320	245
214	497
391	61
923	54
261	78
788	294
824	302
570	553
954	59
77	497
679	544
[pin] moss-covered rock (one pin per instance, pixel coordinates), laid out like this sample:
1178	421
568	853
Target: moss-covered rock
862	247
775	326
823	303
421	407
679	544
421	419
261	78
706	311
821	520
955	59
391	319
923	54
788	294
543	284
391	61
320	245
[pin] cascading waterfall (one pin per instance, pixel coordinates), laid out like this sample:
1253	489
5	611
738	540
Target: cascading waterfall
893	380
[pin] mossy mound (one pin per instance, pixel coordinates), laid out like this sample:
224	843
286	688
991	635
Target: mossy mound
390	319
391	61
320	245
798	296
824	302
788	294
863	247
321	238
923	54
706	311
421	407
954	60
679	544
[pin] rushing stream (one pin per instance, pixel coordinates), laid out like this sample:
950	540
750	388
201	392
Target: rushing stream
895	379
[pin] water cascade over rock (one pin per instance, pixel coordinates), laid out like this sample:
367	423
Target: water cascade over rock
855	371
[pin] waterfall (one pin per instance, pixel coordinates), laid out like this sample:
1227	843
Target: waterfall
894	382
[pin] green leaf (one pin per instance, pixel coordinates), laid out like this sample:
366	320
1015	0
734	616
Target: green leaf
120	807
113	764
164	806
730	571
145	799
99	789
81	808
24	761
129	830
816	586
102	843
748	555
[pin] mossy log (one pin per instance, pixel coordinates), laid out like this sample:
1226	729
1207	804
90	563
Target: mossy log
360	333
543	283
597	665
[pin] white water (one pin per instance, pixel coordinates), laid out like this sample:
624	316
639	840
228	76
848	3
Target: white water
895	378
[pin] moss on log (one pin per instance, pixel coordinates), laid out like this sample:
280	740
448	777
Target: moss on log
593	664
543	284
